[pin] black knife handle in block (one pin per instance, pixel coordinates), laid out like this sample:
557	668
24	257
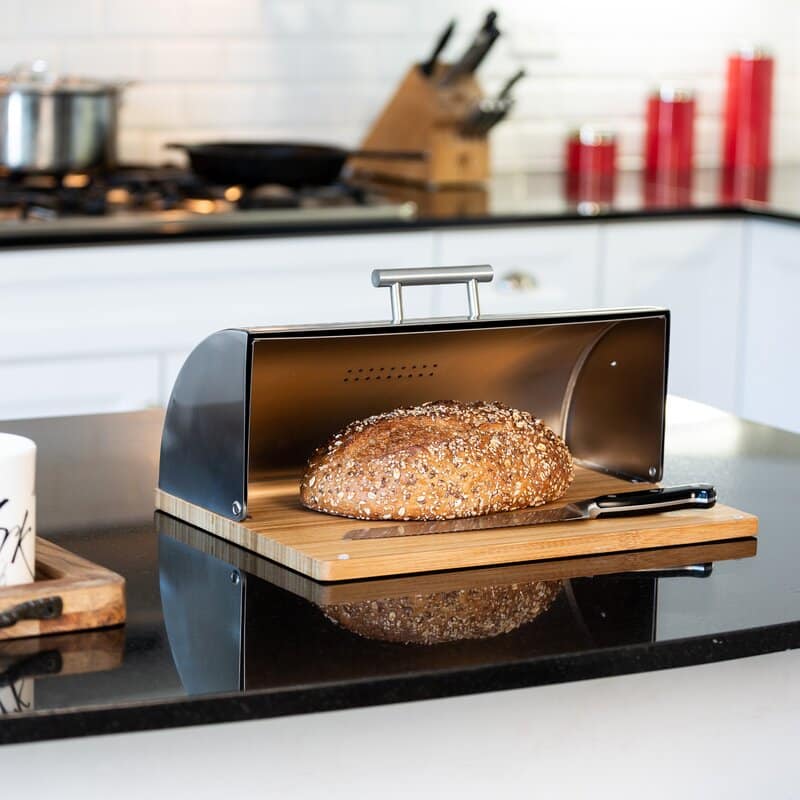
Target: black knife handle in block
428	66
652	501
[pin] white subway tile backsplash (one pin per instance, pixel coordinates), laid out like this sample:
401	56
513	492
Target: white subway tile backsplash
183	17
149	106
11	17
24	50
222	105
321	69
182	59
102	58
61	18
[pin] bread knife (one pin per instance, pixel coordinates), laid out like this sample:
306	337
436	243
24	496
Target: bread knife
643	501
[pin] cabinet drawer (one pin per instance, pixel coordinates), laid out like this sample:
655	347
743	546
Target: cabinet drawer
770	381
148	297
78	386
537	269
694	268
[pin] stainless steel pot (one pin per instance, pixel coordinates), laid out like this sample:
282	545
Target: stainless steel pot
56	125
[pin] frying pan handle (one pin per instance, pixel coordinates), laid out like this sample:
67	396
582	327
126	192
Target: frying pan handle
391	155
395	279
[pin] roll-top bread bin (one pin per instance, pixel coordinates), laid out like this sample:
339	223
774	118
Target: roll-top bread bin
250	405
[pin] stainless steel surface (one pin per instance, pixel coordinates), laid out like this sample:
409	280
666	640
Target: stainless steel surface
395	279
49	125
251	404
305	386
204	443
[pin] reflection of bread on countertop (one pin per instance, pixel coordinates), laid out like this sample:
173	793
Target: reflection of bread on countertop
440	460
477	613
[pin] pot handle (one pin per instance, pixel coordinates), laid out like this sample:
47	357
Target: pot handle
395	279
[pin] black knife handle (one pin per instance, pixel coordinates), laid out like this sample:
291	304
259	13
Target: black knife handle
652	501
428	66
477	51
510	83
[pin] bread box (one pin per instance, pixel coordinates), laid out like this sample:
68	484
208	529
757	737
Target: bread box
250	405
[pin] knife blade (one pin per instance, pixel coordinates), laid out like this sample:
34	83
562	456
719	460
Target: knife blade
643	501
428	66
505	92
477	51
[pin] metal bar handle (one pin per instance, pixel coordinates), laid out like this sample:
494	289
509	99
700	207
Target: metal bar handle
395	279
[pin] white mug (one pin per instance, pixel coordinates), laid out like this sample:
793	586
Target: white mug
17	509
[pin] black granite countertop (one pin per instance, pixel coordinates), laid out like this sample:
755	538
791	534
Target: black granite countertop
216	634
508	199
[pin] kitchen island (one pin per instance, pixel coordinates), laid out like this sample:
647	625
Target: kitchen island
215	635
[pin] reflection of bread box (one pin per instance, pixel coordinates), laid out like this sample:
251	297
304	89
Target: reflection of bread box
233	618
250	405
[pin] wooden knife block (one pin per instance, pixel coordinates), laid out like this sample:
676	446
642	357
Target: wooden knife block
424	116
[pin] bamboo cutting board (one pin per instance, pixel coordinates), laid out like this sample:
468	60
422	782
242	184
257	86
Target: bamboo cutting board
381	588
314	544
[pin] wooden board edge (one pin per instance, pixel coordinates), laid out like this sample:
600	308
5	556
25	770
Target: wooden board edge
745	525
626	561
338	569
238	534
93	596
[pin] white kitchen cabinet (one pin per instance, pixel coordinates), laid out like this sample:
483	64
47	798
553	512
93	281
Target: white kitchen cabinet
78	386
770	379
81	304
537	269
694	268
161	297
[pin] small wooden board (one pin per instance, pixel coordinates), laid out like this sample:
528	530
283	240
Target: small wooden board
279	528
92	596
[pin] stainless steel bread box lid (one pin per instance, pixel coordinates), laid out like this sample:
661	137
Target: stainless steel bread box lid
254	402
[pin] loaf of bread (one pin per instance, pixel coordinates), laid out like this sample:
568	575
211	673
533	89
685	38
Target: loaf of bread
440	460
476	613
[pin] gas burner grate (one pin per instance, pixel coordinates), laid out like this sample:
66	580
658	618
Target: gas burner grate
132	189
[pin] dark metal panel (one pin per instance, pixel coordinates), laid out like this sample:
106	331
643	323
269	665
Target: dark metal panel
614	414
304	388
204	444
202	599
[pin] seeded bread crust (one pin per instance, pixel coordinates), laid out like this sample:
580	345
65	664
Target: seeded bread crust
440	460
477	613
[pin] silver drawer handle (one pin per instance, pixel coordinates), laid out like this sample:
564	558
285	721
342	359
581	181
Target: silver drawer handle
518	281
395	279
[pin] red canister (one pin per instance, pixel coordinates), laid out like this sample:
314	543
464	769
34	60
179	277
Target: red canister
748	110
591	151
669	136
591	155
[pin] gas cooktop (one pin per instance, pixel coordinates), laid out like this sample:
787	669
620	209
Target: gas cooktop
142	194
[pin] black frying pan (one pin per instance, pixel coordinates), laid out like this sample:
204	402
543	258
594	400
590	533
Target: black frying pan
293	165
